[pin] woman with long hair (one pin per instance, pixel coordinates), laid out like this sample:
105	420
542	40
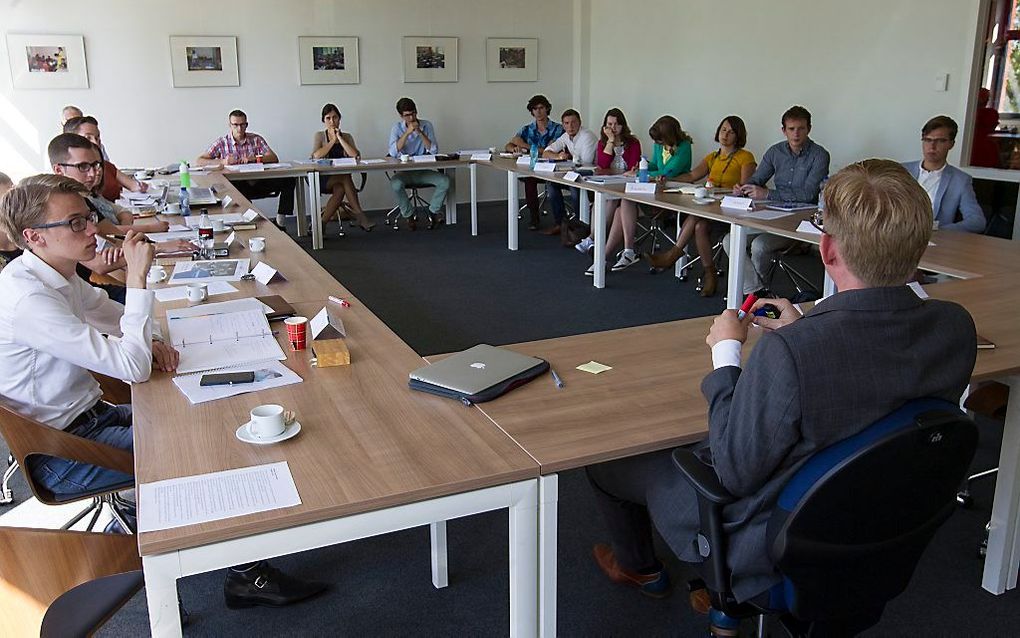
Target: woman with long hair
332	143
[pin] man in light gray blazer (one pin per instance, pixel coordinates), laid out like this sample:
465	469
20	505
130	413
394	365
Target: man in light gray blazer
950	190
811	381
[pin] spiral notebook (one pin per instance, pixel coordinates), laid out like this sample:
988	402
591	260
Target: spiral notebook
218	335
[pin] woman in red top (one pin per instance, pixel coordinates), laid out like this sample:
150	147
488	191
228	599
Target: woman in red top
618	151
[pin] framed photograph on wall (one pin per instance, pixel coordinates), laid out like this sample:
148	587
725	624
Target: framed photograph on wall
47	61
511	59
203	60
430	59
328	60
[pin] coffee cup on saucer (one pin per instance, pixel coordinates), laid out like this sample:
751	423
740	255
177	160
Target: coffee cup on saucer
172	208
257	244
198	292
404	157
156	275
141	175
267	421
701	192
218	226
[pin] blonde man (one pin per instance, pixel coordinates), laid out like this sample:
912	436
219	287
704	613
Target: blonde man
812	380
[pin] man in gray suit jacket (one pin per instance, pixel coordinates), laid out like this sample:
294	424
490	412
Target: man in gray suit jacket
811	381
950	190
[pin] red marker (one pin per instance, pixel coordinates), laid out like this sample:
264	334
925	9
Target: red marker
746	308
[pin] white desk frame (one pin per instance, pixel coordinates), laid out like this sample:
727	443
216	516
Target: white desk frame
1003	555
520	498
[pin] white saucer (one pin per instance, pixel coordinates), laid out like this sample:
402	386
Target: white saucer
169	212
289	432
704	200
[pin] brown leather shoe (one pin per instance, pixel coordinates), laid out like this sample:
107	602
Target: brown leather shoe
655	585
552	230
436	220
709	282
666	258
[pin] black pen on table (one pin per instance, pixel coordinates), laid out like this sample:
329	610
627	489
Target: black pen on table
556	378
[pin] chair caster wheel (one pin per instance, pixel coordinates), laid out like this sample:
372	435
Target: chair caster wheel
653	271
965	500
682	277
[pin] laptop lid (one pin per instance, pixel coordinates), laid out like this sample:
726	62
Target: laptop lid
475	369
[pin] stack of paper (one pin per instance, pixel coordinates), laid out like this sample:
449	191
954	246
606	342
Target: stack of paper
219	335
268	374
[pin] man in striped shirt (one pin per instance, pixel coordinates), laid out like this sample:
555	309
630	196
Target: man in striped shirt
241	147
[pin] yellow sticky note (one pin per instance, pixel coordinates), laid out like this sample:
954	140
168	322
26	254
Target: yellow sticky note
594	367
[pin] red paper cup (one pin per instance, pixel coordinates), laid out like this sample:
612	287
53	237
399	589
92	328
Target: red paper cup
297	332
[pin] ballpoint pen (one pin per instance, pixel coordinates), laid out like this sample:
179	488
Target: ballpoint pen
556	378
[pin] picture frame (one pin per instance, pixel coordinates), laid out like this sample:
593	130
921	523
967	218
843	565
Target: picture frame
511	59
203	60
329	60
430	59
47	61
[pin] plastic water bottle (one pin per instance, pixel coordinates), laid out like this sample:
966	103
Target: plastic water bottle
534	155
642	173
185	172
821	195
205	235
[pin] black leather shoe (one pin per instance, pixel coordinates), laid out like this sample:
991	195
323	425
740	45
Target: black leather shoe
436	220
267	586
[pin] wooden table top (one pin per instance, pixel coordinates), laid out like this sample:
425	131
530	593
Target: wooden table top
298	170
367	440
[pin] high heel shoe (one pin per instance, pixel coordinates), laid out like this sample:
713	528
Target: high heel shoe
709	282
666	258
367	228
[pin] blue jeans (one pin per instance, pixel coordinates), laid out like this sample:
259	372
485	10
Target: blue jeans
404	179
554	195
66	477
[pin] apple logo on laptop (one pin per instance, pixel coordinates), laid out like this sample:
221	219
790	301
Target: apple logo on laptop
479	365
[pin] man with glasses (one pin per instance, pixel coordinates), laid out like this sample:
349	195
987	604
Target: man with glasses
113	180
53	329
951	191
241	147
412	136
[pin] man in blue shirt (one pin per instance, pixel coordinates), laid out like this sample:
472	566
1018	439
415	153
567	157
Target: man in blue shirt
540	133
411	136
797	168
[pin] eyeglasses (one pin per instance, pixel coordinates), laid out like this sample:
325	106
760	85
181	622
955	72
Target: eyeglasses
84	167
78	223
935	141
409	114
817	220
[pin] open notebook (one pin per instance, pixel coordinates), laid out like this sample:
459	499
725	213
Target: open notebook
218	335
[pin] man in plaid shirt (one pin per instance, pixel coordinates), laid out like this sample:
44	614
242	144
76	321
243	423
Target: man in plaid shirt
241	147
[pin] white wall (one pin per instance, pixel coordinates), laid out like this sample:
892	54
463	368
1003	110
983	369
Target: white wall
865	69
145	121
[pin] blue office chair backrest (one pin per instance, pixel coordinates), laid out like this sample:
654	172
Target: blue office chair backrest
851	524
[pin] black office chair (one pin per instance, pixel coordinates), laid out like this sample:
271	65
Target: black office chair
850	526
418	204
652	228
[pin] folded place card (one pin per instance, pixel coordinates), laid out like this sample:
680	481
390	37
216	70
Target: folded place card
593	367
373	161
483	157
572	176
226	201
423	159
327	325
250	215
252	168
524	159
264	273
345	161
328	344
545	167
646	188
737	203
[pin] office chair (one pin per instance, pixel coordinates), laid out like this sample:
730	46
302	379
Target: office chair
654	230
64	583
27	438
417	203
850	526
806	291
541	199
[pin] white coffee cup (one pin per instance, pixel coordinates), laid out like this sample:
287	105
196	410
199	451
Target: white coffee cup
257	244
218	226
492	150
404	157
173	208
198	293
701	192
266	421
156	275
140	175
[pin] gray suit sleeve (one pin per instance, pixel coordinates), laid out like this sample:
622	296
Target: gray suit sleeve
753	416
973	218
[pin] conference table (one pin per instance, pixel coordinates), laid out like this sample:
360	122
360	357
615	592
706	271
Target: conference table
372	456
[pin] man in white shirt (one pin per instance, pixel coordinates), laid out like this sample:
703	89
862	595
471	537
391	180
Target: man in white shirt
53	329
576	143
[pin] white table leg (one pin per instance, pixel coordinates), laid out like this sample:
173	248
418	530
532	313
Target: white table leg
512	204
524	572
1000	572
451	197
473	170
548	504
315	203
599	228
440	567
161	574
303	195
735	279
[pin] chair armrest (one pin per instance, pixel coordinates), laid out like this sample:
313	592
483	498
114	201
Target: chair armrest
701	476
361	187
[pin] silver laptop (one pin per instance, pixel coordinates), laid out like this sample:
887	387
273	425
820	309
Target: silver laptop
475	369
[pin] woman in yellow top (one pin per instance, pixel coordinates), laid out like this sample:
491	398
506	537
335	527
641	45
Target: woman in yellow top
731	164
